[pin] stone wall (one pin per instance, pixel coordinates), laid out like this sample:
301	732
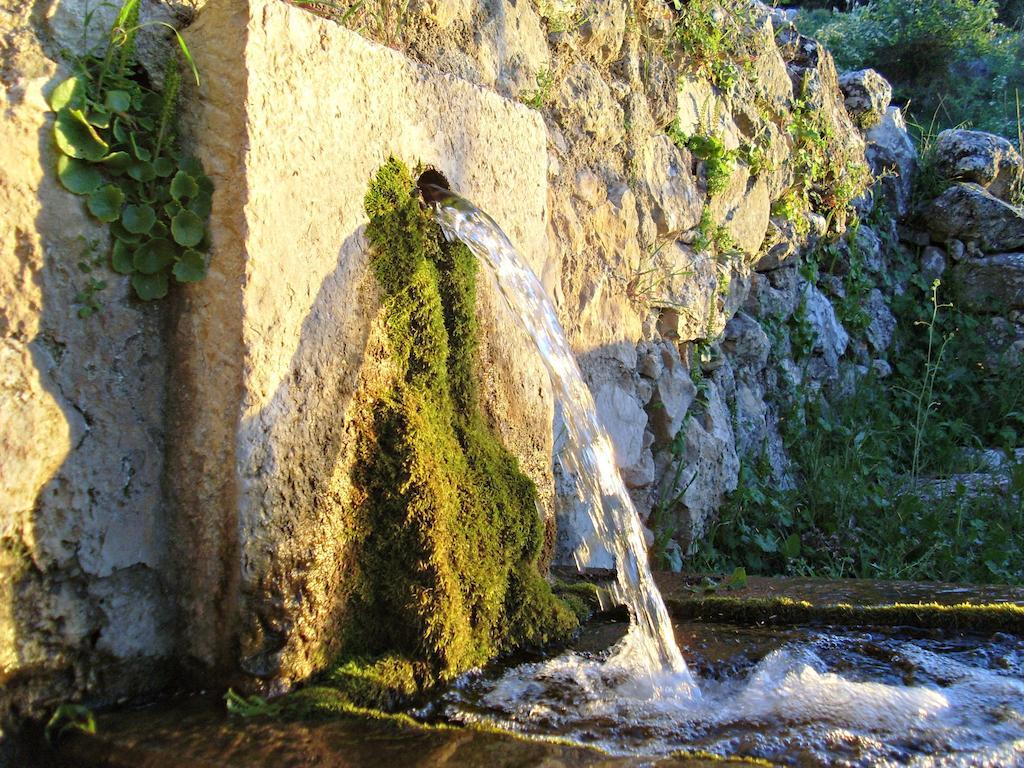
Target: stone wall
85	605
175	477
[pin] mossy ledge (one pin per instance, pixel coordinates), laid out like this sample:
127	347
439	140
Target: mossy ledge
447	532
784	611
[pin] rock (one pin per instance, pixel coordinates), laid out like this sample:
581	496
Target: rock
773	295
743	208
983	158
933	264
585	105
668	180
746	344
970	213
991	283
674	392
624	418
957	251
278	341
712	466
601	33
881	368
892	157
830	336
867	96
882	323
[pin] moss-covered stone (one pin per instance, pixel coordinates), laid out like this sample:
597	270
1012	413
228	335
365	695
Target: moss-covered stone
784	611
448	533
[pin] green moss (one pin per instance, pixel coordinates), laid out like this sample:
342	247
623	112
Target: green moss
581	597
448	528
990	617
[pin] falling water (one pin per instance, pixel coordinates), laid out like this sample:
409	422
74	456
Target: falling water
641	697
649	650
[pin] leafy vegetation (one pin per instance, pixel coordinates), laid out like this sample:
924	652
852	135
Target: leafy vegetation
541	95
118	150
712	37
709	147
948	59
864	503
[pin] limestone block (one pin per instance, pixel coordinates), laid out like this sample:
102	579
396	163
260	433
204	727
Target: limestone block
274	343
970	213
986	159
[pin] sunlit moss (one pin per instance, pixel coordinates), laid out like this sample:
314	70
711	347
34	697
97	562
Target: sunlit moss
448	526
989	617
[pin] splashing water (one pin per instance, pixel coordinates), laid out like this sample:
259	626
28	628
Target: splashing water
648	656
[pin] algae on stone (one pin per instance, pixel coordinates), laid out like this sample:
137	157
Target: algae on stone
447	527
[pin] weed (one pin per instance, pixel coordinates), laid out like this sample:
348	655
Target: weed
933	361
69	717
713	35
648	281
116	137
541	95
719	162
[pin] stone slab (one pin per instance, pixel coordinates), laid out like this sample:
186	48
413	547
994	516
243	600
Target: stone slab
295	115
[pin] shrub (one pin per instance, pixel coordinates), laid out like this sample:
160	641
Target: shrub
950	59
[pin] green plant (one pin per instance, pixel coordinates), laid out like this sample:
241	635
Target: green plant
541	95
557	20
923	399
69	717
447	536
712	35
647	281
719	162
949	58
865	502
116	137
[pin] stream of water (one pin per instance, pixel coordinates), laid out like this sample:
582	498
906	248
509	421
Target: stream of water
648	654
815	701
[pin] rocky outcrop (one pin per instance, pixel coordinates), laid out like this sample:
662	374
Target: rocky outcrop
973	215
982	158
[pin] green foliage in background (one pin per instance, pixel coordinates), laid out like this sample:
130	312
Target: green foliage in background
950	60
118	150
449	532
864	504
